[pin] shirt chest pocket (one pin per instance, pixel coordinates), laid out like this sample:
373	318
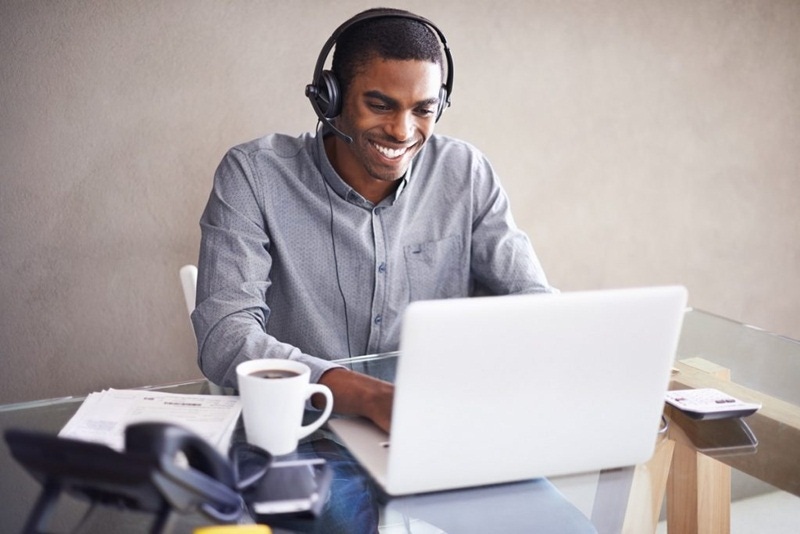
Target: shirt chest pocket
437	269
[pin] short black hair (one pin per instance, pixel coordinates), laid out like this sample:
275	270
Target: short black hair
390	37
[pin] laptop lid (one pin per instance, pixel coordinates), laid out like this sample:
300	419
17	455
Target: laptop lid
499	389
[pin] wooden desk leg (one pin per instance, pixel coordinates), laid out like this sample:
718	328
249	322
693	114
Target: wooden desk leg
699	487
647	490
698	494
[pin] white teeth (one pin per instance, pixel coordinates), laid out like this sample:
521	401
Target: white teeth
390	153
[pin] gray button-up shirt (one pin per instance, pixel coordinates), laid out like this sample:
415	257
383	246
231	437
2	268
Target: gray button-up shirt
295	264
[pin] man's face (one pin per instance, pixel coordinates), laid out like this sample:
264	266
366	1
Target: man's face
389	111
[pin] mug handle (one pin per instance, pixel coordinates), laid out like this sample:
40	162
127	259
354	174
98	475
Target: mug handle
311	427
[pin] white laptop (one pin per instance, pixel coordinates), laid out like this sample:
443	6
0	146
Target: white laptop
500	389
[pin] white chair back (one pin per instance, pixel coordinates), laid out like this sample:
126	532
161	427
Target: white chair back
188	275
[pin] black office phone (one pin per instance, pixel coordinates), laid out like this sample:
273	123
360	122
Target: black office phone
148	476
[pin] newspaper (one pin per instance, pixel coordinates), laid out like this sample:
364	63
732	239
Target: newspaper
103	416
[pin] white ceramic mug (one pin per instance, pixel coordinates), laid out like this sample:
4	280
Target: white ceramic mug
273	394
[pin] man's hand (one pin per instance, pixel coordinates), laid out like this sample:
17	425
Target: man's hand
358	394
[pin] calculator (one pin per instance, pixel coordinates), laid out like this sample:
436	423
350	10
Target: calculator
710	403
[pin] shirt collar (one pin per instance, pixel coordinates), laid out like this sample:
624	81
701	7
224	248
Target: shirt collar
340	187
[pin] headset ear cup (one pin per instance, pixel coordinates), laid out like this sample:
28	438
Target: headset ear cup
442	103
329	99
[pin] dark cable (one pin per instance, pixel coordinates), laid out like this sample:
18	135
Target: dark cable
326	185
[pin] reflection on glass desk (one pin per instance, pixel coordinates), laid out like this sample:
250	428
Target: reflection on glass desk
753	365
758	453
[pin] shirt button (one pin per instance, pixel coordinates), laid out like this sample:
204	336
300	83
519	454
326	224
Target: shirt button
382	268
378	319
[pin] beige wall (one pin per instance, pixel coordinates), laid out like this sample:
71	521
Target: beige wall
642	142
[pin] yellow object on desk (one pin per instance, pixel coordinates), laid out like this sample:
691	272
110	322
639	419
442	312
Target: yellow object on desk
234	529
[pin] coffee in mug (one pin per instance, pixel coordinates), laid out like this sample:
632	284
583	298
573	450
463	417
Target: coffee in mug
274	373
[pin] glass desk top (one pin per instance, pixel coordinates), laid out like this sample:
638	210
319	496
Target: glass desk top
760	364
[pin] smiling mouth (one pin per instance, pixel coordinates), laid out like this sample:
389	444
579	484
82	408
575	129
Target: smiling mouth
390	153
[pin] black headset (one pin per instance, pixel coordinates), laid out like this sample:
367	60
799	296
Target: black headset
324	92
208	483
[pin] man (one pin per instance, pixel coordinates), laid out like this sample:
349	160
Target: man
313	246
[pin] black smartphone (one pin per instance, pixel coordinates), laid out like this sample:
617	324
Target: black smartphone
296	488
